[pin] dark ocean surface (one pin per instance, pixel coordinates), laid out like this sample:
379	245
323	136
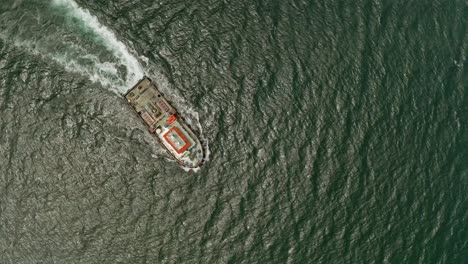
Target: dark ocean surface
337	130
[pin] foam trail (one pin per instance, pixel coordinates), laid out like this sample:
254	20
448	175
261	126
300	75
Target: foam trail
108	38
105	73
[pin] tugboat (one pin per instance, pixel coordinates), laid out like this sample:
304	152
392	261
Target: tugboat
163	121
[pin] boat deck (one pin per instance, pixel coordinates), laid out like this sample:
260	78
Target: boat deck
163	121
149	103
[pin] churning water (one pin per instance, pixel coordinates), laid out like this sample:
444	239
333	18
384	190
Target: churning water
337	130
118	70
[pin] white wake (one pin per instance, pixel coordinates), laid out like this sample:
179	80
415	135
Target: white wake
109	41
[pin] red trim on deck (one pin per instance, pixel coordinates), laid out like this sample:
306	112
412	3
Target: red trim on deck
184	147
171	119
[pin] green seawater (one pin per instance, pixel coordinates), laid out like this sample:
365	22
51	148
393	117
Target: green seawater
337	130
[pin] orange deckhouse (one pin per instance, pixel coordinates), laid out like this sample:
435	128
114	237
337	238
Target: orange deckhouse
165	123
176	140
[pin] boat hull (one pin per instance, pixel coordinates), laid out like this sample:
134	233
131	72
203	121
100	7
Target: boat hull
165	123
